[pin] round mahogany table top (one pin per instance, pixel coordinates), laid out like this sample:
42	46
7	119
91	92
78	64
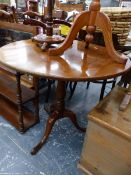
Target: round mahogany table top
24	56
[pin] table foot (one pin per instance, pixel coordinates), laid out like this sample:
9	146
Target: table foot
72	116
50	123
57	111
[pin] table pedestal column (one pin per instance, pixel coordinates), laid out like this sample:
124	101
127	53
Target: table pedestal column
58	111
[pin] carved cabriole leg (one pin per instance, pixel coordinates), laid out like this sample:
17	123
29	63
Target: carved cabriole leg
58	111
58	108
72	116
19	102
50	123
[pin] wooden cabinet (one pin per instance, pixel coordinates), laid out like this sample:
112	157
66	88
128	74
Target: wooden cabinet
107	145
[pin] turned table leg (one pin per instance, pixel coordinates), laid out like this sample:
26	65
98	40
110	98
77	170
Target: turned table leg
19	102
58	111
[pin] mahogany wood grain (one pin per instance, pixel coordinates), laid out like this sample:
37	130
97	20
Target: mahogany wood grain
72	65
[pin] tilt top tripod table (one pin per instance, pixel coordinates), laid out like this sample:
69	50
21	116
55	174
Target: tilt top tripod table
70	62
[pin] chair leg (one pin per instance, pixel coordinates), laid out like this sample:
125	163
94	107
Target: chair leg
48	90
103	89
125	84
72	89
67	83
88	84
114	83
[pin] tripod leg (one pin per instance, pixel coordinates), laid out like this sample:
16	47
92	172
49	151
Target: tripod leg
71	115
50	123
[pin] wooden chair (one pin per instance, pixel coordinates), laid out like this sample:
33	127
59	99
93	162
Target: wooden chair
32	5
57	22
6	16
21	6
4	35
31	19
59	14
9	9
43	25
33	15
34	22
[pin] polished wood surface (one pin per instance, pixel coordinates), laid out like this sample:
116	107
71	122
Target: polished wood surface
74	64
12	28
107	144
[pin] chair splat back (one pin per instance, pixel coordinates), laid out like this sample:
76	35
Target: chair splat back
5	16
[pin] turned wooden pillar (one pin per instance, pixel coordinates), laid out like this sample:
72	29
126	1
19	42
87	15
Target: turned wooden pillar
94	8
49	18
